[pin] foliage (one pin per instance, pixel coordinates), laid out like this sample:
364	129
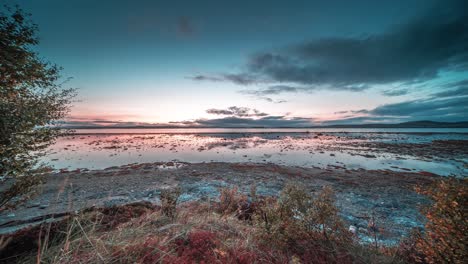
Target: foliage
445	238
298	209
169	199
31	102
230	200
142	233
305	225
198	247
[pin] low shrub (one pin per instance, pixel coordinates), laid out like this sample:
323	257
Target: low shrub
296	227
445	236
197	247
230	199
169	199
302	225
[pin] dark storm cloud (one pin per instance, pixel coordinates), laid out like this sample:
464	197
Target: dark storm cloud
407	53
237	112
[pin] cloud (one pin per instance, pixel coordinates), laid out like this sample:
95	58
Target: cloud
453	108
240	79
205	78
461	91
237	112
269	99
273	90
442	106
247	117
264	94
459	88
395	92
412	52
448	106
268	121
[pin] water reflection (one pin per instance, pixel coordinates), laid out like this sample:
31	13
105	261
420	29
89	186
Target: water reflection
345	150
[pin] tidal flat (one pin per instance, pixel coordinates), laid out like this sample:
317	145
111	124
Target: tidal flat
373	173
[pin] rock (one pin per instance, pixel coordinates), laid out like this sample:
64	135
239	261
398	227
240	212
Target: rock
11	215
43	206
352	229
33	205
362	230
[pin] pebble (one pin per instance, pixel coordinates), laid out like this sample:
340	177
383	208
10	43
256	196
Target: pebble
43	206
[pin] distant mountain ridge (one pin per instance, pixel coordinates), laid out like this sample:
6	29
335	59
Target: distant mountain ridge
412	124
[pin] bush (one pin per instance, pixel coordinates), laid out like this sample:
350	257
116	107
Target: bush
299	224
446	232
169	199
231	201
198	247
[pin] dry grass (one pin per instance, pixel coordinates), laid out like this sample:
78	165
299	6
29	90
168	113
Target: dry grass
296	227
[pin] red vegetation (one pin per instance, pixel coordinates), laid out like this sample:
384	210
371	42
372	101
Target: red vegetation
296	227
111	217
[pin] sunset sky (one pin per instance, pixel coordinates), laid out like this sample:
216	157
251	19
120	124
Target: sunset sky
258	63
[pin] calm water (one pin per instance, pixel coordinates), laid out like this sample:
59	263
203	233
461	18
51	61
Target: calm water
265	130
339	148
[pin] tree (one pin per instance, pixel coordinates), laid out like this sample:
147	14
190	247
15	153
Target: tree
31	102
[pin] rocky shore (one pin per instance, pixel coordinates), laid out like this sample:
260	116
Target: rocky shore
386	196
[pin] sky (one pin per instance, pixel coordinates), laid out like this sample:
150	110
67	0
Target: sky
258	63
